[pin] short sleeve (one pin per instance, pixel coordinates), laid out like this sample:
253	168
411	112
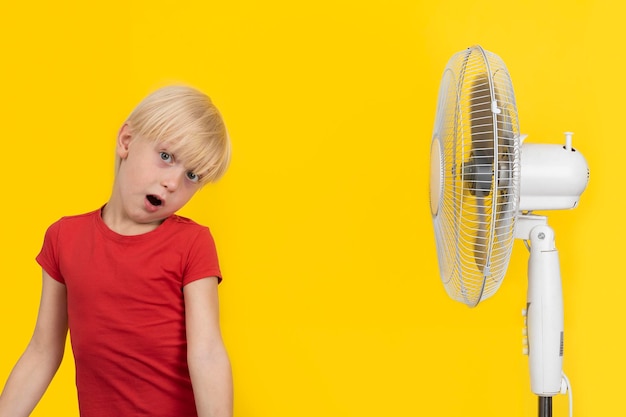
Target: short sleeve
48	257
202	261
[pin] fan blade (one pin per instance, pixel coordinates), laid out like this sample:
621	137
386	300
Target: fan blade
481	162
482	137
505	207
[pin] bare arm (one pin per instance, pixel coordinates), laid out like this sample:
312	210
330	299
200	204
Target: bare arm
209	366
41	359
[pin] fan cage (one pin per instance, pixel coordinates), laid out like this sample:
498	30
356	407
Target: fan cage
477	131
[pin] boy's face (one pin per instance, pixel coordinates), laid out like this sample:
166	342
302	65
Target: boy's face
151	183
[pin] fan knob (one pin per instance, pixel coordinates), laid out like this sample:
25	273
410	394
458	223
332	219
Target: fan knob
525	349
568	140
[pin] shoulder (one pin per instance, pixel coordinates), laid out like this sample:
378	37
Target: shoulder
78	218
187	226
185	233
184	221
198	249
192	233
72	221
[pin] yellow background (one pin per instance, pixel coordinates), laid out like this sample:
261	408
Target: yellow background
331	304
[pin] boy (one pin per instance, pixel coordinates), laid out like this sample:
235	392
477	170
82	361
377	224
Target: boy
135	283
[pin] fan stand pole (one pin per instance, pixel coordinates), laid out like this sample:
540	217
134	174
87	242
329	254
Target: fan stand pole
544	310
544	313
545	406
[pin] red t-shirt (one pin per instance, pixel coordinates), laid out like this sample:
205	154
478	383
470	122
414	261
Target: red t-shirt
126	311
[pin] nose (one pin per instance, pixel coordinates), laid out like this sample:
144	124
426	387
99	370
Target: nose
171	179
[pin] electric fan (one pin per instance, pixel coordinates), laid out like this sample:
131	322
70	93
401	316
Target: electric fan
484	186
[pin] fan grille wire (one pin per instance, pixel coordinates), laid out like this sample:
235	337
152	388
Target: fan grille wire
480	174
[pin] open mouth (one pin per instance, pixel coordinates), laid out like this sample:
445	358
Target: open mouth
154	200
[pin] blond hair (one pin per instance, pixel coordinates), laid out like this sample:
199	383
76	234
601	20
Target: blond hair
190	124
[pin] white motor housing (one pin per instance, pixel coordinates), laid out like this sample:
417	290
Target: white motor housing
552	176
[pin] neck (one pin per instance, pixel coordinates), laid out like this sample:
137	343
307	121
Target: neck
120	223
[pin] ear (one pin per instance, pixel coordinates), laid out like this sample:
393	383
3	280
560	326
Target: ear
124	138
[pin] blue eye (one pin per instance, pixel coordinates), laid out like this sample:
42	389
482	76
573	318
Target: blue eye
166	157
193	177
